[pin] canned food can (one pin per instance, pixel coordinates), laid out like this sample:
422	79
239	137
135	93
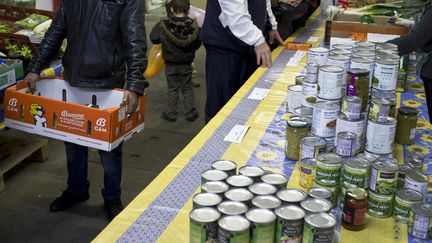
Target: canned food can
363	48
417	181
415	160
366	64
343	61
356	127
320	193
367	156
386	46
384	177
314	205
227	166
231	208
330	147
266	202
318	55
307	167
300	79
213	175
304	112
289	224
263	225
351	107
358	85
311	77
277	180
202	200
404	200
379	110
379	205
319	227
388	56
370	45
334	190
294	97
233	229
291	196
356	173
403	170
330	81
342	47
388	95
239	181
380	136
366	54
324	118
341	52
346	144
312	68
253	172
385	74
217	187
312	146
420	221
328	168
203	225
239	195
262	189
309	89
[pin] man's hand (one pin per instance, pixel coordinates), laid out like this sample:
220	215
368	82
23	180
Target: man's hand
131	99
275	36
31	79
263	55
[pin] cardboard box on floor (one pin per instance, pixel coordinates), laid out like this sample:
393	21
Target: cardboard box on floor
60	111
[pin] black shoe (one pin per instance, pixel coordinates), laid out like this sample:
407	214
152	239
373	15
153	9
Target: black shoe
170	118
112	208
66	200
192	115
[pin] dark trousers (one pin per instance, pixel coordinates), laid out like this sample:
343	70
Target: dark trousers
226	72
428	92
78	183
179	79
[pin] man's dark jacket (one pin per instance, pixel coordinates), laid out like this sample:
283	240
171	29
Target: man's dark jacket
103	37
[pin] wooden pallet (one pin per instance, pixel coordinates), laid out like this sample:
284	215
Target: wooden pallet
15	150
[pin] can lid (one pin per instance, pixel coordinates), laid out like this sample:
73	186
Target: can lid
415	156
321	220
207	199
291	195
239	181
268	202
361	60
327	105
347	135
214	187
316	205
388	62
319	49
214	175
338	57
296	123
384	94
417	176
234	223
408	111
388	56
260	216
365	54
381	101
364	48
386	45
295	88
341	52
238	194
251	171
364	43
357	193
303	111
409	194
204	215
232	208
329	158
332	69
224	165
262	188
314	141
424	209
319	193
359	72
385	166
342	46
357	162
290	212
309	162
274	179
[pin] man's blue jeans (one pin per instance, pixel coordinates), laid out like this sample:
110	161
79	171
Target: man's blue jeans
78	184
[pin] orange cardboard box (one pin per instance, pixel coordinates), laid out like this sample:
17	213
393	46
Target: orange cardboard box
58	110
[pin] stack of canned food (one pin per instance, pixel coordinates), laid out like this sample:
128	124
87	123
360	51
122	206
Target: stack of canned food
256	206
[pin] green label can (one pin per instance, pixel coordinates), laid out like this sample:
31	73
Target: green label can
379	205
420	221
263	225
356	172
289	226
328	169
319	227
203	225
334	190
404	200
233	229
384	177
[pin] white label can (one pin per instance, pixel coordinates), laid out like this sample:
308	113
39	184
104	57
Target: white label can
340	61
294	97
385	74
308	90
330	80
357	127
380	136
318	55
324	119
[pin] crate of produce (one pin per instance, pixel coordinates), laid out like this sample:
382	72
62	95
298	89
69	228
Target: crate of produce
90	117
10	72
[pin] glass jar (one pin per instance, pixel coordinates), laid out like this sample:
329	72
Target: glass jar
354	210
297	129
406	125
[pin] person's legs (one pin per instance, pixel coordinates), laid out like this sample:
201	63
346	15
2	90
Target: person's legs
173	93
428	92
185	77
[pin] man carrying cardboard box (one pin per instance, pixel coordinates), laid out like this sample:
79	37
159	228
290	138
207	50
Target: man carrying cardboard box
106	45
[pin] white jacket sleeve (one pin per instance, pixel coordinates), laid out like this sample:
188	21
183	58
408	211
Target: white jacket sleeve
235	15
272	18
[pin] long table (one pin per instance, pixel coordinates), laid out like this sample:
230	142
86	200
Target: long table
161	211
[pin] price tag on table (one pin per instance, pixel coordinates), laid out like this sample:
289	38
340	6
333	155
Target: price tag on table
258	94
236	134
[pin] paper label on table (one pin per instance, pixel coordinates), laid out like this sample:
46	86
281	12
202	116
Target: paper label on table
236	134
313	39
258	94
296	59
380	38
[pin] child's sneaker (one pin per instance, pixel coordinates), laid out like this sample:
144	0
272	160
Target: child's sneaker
192	115
169	117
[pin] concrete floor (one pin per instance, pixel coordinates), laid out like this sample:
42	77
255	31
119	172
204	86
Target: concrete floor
31	187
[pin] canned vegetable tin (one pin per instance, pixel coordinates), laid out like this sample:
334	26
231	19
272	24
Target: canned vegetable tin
328	168
226	166
358	85
233	229
239	181
356	173
231	208
311	147
380	136
385	74
217	187
379	110
417	181
314	205
263	225
296	130
357	127
420	221
291	196
380	206
213	175
330	81
324	118
319	193
346	144
253	172
364	63
307	167
278	180
403	170
266	202
343	61
239	195
404	200
334	190
294	97
384	177
202	200
388	95
318	55
319	227
289	226
351	106
203	225
262	189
